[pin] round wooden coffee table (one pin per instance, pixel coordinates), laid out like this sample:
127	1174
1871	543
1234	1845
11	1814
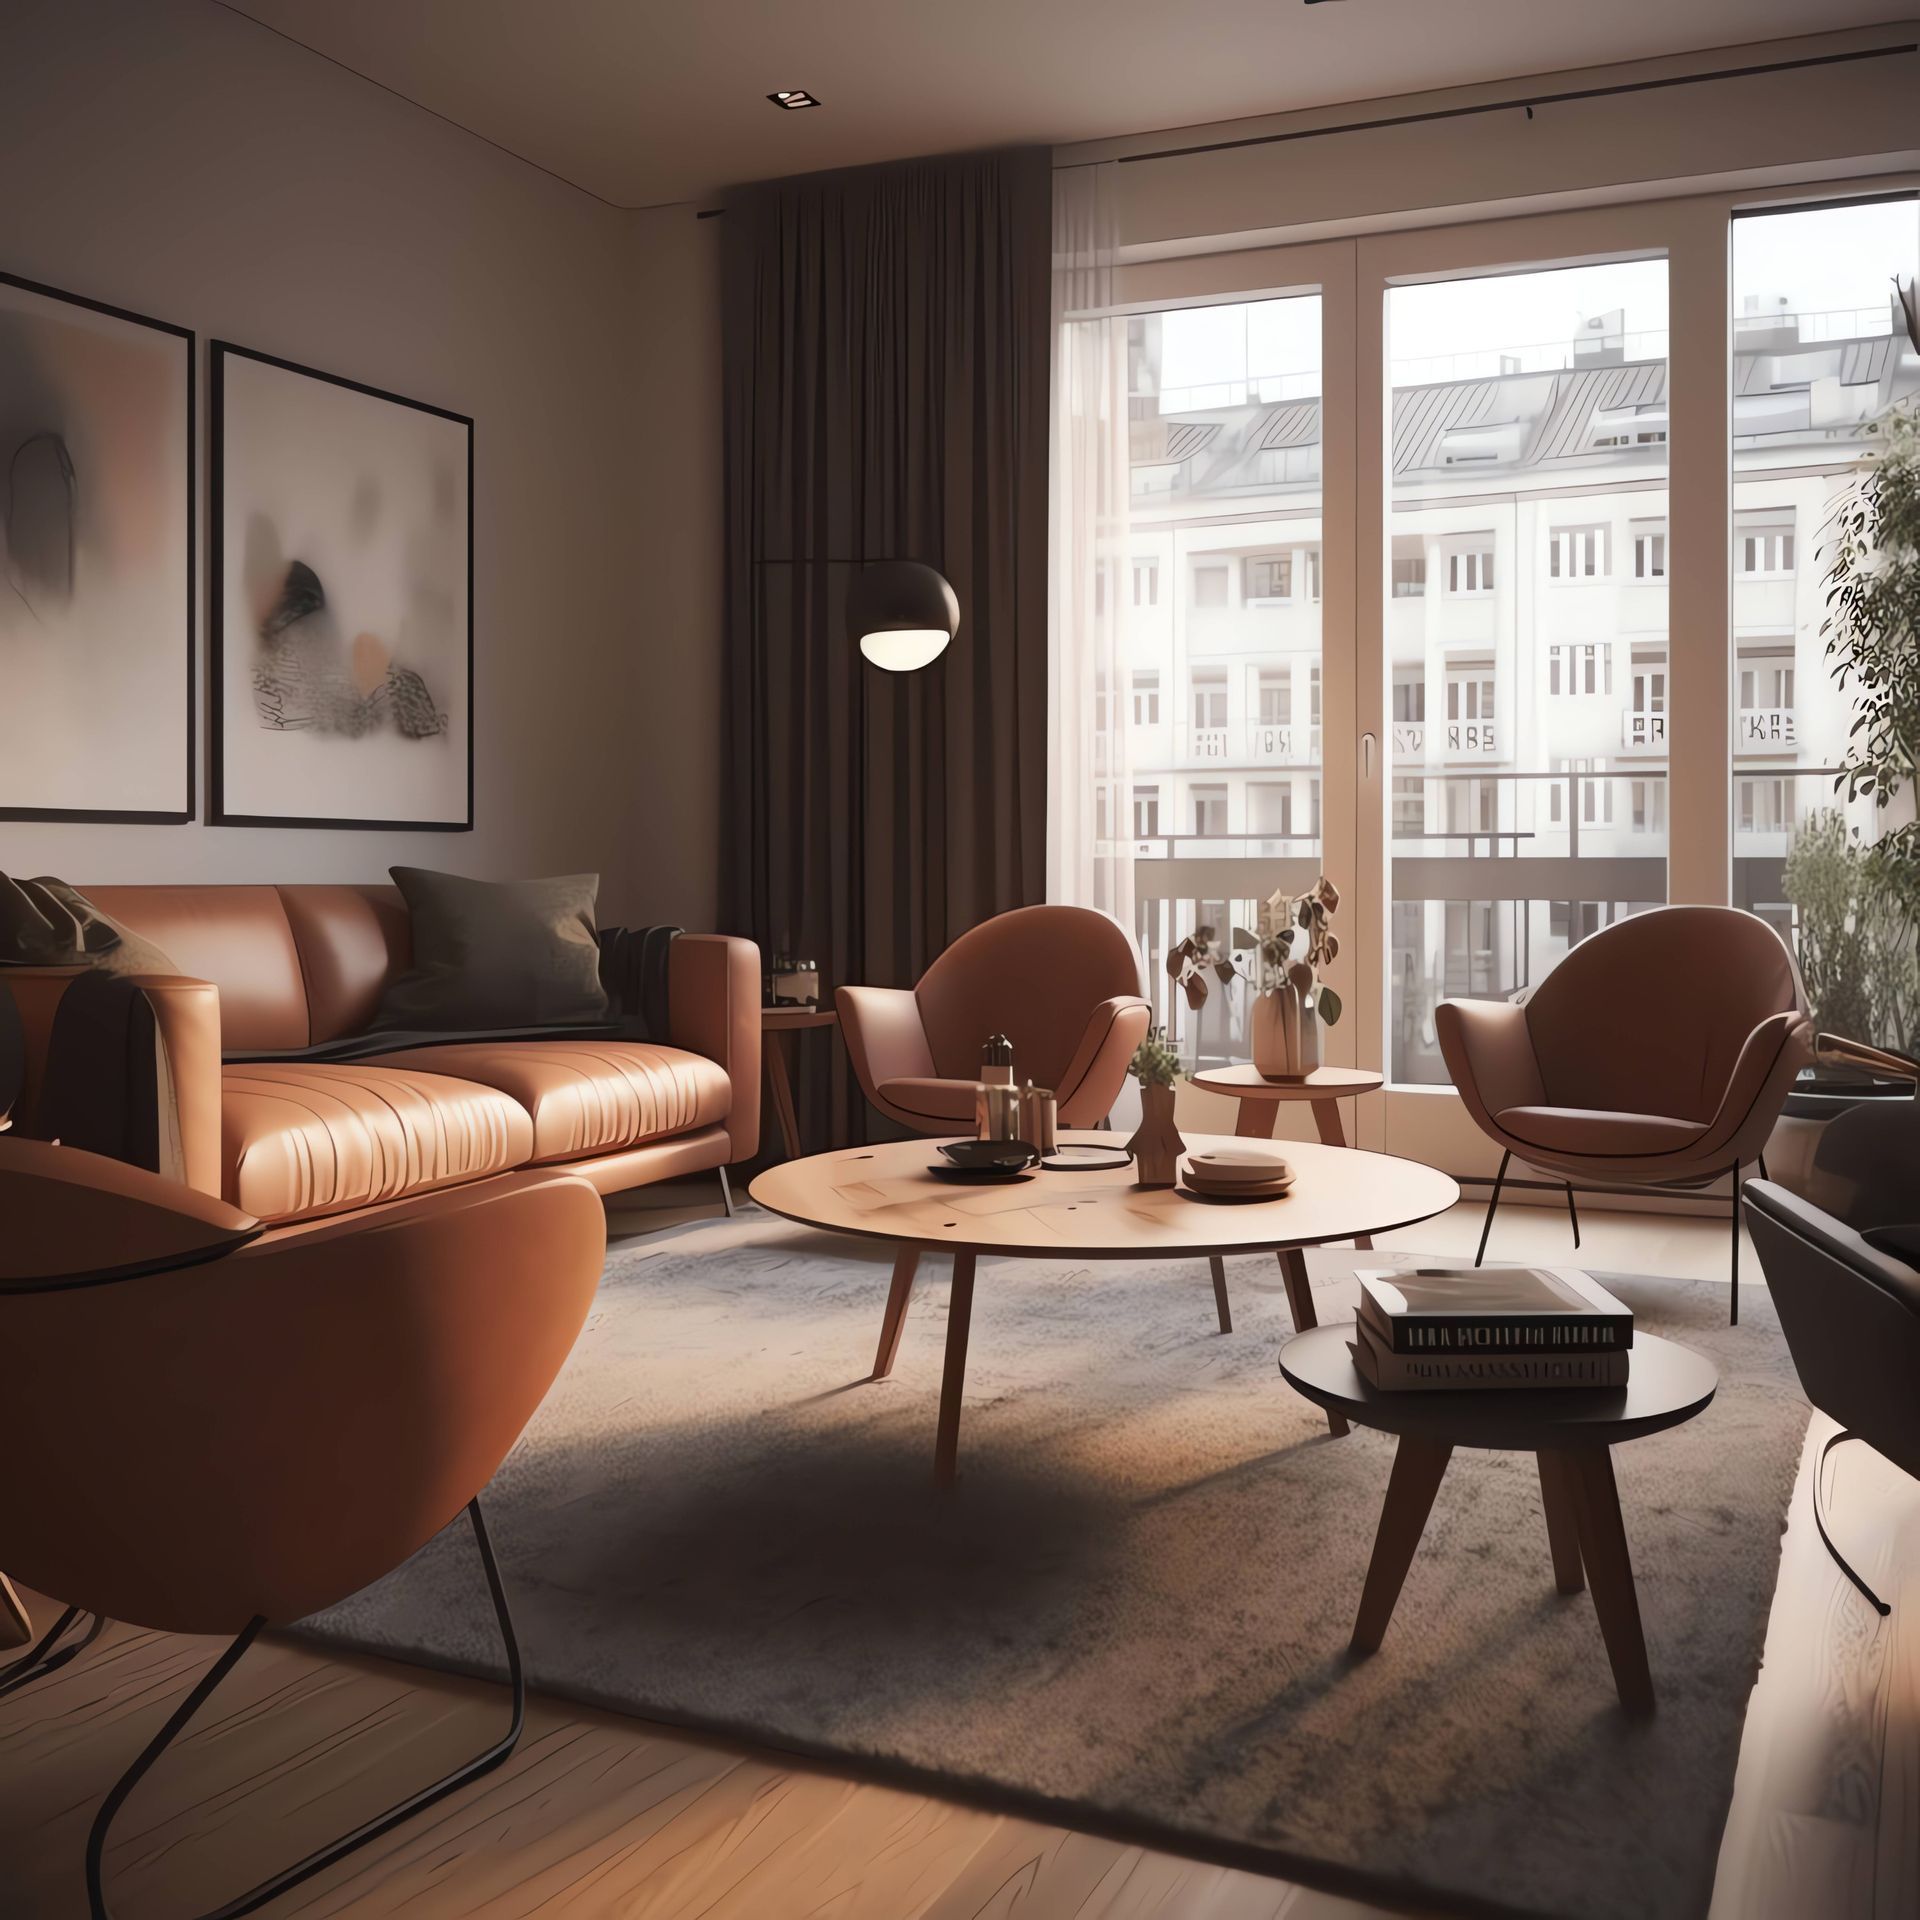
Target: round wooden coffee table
1567	1430
888	1193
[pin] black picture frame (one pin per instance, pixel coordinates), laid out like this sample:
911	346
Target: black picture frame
142	816
219	351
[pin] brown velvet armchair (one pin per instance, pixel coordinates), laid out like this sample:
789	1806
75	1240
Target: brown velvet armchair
227	1428
1657	1054
1062	983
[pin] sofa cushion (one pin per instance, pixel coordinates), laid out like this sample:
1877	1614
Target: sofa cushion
1591	1133
301	1138
589	1096
942	1100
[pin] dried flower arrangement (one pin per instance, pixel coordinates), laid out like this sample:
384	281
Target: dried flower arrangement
1286	921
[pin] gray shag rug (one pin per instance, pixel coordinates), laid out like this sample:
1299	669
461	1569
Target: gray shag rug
1133	1613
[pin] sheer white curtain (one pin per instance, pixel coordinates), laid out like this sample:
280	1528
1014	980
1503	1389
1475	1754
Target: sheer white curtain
1089	803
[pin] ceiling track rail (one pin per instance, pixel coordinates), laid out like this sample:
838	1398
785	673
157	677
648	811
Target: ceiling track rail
1527	102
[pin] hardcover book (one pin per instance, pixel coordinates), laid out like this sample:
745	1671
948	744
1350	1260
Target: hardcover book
1493	1310
1426	1372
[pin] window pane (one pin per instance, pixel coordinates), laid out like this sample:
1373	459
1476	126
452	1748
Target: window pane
1820	353
1529	458
1225	504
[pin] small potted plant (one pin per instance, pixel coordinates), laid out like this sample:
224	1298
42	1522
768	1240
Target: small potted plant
1296	939
1156	1146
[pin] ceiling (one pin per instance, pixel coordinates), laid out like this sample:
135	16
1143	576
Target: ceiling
643	102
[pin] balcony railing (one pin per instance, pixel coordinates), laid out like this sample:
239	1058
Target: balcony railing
1471	740
1281	740
1758	729
1643	732
1410	740
1209	743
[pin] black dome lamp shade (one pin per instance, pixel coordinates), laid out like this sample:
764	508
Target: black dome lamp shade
902	614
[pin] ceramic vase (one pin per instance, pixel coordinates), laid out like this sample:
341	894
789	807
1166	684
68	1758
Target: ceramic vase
1157	1146
1276	1036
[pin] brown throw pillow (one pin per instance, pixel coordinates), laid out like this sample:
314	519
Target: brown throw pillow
46	923
496	953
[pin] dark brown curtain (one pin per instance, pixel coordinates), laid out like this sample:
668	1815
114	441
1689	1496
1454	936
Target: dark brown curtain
886	368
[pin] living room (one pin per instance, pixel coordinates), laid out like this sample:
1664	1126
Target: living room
816	968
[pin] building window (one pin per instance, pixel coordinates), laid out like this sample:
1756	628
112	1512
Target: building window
1579	669
1650	553
1313	806
1146	812
1313	573
1313	696
1596	796
1470	572
1763	549
1209	810
1270	807
1146	583
1210	586
1649	806
1210	700
1146	698
1470	693
1578	553
1409	702
1766	680
1270	577
1766	805
1409	806
1650	683
1274	690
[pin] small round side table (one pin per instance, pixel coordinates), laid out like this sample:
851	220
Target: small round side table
1568	1430
775	1024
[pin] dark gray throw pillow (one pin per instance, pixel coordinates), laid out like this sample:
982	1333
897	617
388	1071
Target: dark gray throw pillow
46	923
496	953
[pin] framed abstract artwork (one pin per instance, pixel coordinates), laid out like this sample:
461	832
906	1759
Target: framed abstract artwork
340	591
96	560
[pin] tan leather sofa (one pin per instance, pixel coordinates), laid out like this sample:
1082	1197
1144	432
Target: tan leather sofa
276	969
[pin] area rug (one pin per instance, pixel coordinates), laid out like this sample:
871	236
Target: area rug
1133	1612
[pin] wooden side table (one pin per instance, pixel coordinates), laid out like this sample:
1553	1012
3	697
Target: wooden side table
1569	1431
775	1024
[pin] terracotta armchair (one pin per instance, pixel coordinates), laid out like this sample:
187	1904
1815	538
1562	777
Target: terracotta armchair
223	1428
1657	1054
1062	983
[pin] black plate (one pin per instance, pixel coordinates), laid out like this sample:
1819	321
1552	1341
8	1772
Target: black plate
978	1176
990	1156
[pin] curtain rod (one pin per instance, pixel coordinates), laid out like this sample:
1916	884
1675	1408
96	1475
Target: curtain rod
1528	101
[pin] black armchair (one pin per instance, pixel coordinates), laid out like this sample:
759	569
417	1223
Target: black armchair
1848	1290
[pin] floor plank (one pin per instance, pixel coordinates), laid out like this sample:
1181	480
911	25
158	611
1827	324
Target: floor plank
597	1814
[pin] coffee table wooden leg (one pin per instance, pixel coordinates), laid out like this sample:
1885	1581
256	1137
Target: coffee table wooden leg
1220	1294
1559	1496
782	1089
1418	1465
946	1449
906	1263
1293	1270
1603	1546
1333	1133
16	1625
1257	1120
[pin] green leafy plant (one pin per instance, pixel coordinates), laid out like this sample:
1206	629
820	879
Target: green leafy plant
1154	1062
1302	921
1872	631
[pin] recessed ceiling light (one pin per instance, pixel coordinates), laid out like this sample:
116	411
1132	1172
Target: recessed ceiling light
793	99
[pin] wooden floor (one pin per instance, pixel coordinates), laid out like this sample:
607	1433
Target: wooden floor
598	1814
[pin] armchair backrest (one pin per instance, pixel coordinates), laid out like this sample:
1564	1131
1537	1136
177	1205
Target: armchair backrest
1035	974
1649	1015
1851	1317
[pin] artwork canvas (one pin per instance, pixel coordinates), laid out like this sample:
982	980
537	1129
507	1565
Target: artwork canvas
342	603
96	560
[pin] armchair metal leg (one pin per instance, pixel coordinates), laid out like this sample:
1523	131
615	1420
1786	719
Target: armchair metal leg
1733	1312
726	1193
374	1828
1826	1540
1491	1204
1764	1174
1573	1214
43	1659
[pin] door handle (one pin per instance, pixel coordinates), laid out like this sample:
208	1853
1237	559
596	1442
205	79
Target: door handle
1366	756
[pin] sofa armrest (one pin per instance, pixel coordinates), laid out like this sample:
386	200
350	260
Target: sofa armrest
1093	1077
1489	1055
187	1014
713	1008
886	1038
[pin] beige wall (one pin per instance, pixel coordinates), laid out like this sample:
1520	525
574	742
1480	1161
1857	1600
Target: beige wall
171	157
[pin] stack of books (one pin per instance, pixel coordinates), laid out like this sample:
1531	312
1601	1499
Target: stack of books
1446	1327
